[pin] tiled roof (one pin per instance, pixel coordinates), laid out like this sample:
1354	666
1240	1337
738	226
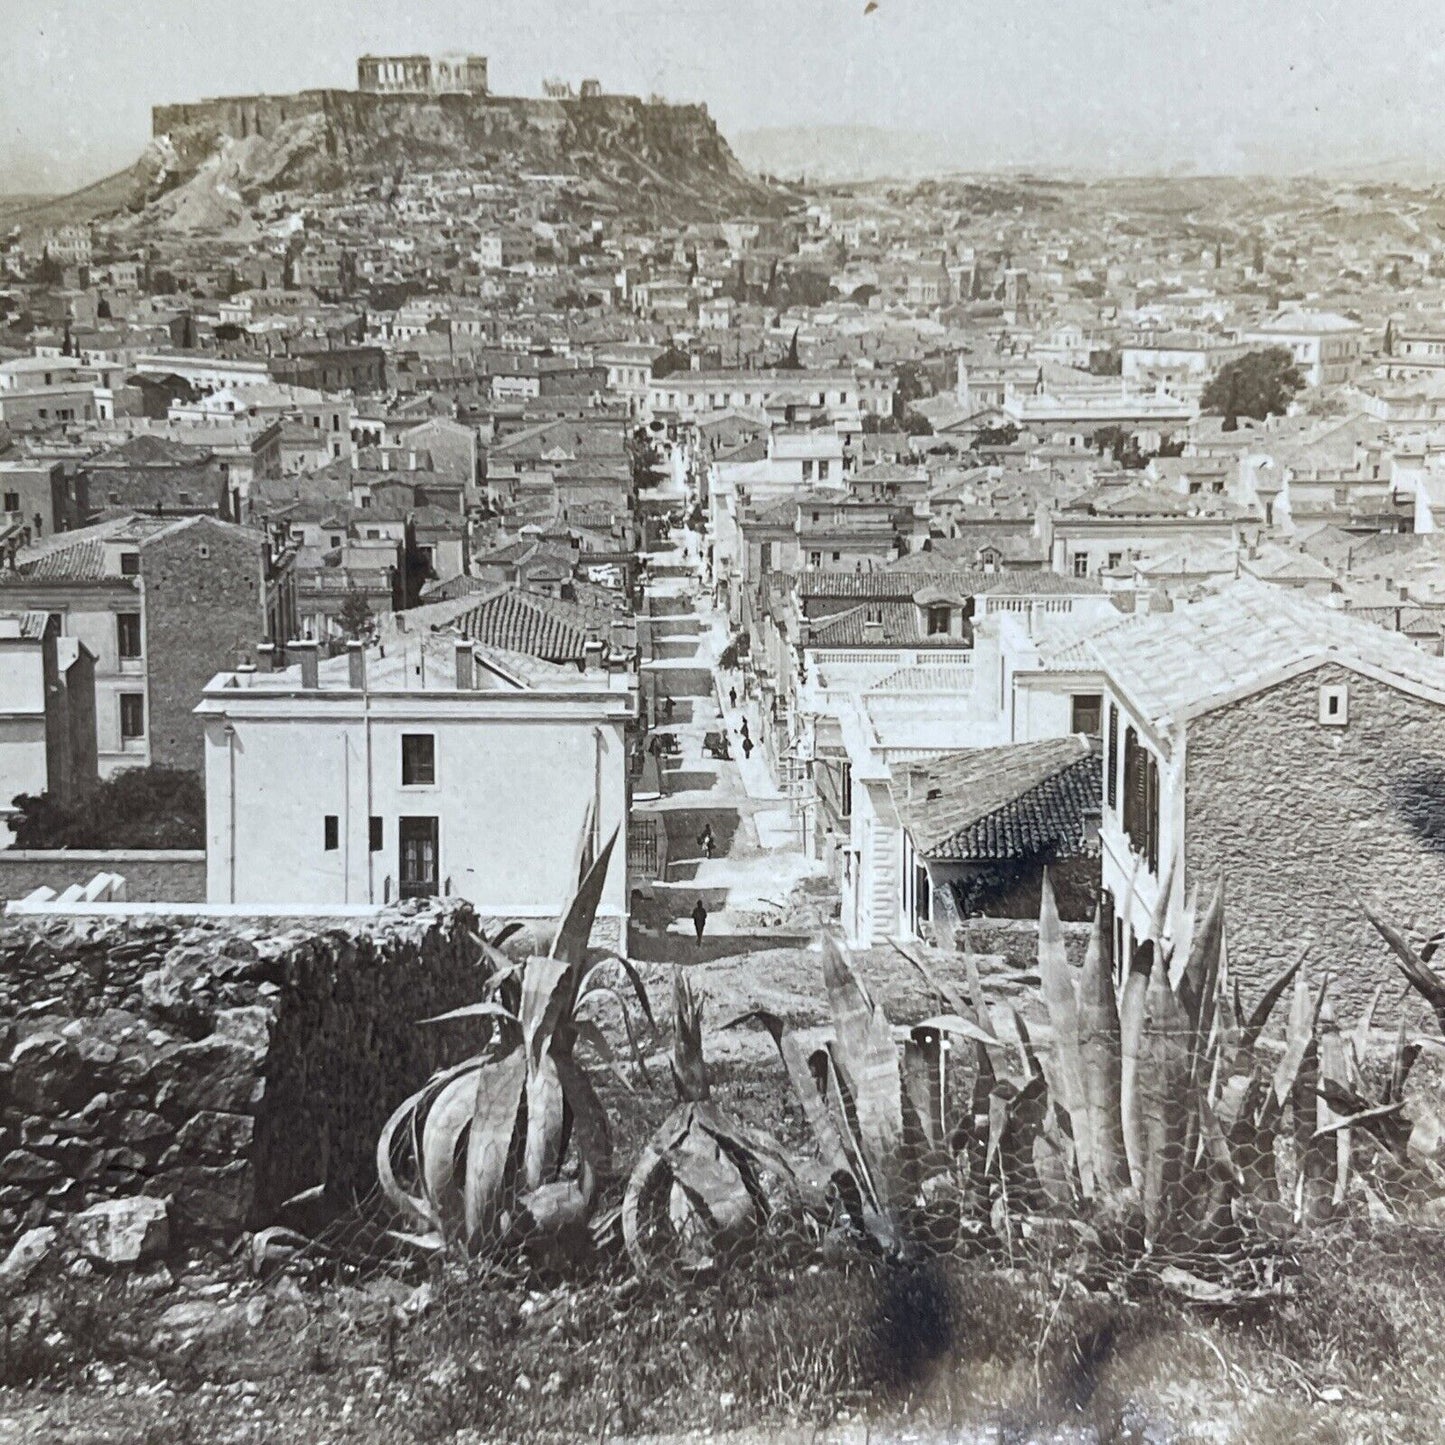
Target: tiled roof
1244	632
895	625
1014	801
148	450
900	583
529	622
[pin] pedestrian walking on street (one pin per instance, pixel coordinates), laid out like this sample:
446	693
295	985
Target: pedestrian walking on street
705	840
733	698
747	746
699	919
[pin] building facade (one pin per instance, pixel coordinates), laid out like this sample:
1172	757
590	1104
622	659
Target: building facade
438	768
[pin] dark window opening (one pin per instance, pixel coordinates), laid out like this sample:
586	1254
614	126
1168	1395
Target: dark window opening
417	838
418	759
376	835
330	833
1088	709
127	634
132	715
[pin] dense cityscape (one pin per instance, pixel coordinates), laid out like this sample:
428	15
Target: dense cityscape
436	520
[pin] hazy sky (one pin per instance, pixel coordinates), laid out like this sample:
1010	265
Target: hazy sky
1127	84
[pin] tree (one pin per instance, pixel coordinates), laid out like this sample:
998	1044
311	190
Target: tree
355	615
138	808
48	271
910	385
1257	384
916	424
996	436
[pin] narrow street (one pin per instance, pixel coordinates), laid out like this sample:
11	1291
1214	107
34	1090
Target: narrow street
758	858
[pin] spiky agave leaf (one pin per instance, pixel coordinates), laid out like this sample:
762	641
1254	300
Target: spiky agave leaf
866	1059
1062	1003
1100	1062
1131	1034
689	1070
1334	1064
570	944
489	1189
1426	982
1161	1091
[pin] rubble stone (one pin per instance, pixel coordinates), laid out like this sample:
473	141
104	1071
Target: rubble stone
122	1231
218	1067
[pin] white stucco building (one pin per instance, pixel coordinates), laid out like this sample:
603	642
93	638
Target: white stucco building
438	767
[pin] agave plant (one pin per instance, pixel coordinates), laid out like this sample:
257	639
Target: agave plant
876	1111
1153	1101
513	1142
704	1181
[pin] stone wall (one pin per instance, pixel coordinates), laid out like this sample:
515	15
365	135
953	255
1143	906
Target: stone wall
1301	819
1016	940
154	876
225	1066
205	607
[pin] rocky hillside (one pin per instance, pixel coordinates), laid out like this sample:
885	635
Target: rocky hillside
210	163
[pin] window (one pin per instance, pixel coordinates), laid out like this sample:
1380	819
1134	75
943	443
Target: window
132	716
823	471
1335	706
807	470
335	540
376	835
1088	710
1081	564
12	501
130	564
815	559
1141	800
127	634
418	760
185	499
938	621
1111	758
418	840
837	556
1115	558
330	833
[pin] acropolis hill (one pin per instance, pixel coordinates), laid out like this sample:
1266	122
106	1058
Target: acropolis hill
653	157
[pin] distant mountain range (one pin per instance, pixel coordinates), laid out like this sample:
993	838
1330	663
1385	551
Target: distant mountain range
870	153
852	153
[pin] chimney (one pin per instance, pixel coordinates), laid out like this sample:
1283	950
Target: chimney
356	666
592	651
266	657
617	648
466	666
305	650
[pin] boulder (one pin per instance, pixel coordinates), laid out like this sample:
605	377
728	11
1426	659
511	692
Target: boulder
123	1231
22	1166
207	1202
46	1075
217	1073
215	1135
26	1256
176	991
